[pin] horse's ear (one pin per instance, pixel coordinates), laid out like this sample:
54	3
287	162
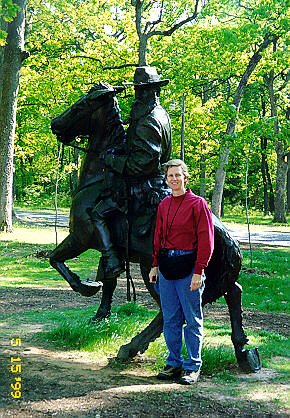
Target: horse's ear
119	89
95	95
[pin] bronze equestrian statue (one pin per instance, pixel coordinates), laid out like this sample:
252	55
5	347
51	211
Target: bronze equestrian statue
127	209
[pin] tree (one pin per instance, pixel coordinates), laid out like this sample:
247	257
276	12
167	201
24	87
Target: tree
74	44
231	125
12	55
282	165
155	14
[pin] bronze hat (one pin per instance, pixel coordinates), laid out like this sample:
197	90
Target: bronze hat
148	75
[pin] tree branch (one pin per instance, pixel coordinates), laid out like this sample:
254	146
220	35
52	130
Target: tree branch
87	57
138	10
170	31
268	39
118	67
150	25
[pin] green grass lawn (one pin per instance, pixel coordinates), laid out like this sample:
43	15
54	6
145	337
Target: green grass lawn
266	284
21	263
265	288
238	215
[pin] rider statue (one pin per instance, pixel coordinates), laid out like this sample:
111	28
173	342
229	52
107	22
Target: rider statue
139	162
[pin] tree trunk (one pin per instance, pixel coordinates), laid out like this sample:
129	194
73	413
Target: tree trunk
230	130
281	178
264	176
271	189
220	177
282	166
288	183
202	178
11	56
149	30
142	52
143	38
3	26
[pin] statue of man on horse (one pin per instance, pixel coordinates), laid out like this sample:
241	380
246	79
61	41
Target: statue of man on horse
139	162
113	209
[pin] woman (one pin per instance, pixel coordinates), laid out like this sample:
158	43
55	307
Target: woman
183	245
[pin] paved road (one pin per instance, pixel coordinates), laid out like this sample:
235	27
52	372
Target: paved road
266	235
43	218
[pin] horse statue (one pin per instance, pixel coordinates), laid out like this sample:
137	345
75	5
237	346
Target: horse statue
96	116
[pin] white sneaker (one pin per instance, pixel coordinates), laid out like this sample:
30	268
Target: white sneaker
189	377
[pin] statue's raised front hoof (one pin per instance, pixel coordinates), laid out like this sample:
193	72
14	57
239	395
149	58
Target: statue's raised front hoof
89	287
249	360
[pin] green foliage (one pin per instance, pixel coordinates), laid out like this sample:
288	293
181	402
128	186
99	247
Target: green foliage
8	10
74	44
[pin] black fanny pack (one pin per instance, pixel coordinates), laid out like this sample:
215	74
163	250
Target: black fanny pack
176	264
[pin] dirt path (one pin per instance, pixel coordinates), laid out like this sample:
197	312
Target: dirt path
69	384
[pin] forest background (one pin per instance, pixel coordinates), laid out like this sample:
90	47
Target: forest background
227	97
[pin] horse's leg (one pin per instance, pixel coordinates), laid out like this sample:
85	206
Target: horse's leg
70	248
109	286
141	341
248	360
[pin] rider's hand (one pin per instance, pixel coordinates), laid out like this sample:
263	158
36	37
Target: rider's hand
154	198
109	160
153	275
196	282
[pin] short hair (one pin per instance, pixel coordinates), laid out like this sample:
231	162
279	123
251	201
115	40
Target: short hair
176	163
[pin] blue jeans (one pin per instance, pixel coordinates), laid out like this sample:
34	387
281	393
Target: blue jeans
181	305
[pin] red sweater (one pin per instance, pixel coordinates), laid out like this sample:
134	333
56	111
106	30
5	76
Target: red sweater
185	223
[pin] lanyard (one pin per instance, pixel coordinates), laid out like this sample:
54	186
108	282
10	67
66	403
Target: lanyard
168	228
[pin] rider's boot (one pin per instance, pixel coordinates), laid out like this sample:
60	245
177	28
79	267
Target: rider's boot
112	265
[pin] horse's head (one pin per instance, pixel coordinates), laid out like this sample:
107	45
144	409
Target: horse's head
80	118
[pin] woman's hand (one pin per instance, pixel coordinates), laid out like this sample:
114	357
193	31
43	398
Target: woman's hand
153	275
196	282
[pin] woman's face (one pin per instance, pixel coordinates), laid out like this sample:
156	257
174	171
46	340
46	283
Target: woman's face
176	180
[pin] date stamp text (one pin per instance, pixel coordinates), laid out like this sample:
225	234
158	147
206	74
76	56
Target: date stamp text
16	369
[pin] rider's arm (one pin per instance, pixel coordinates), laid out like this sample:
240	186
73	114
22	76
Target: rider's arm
144	155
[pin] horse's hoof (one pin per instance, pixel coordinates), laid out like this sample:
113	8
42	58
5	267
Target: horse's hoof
126	352
89	288
91	283
249	360
98	317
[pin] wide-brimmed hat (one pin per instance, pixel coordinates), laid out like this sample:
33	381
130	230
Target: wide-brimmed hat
145	76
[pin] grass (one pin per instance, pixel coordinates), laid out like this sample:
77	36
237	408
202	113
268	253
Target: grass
77	333
265	288
266	284
22	263
70	329
237	214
